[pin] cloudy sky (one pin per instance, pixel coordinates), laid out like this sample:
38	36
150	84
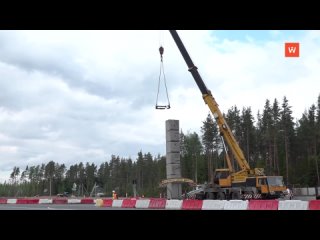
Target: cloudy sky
72	96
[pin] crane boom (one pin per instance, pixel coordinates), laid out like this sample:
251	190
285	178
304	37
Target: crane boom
224	129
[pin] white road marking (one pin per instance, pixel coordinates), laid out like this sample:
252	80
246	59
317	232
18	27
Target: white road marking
51	208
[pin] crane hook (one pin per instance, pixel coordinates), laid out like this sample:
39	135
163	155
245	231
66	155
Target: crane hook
161	50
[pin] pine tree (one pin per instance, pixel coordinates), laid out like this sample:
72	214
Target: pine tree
287	127
210	139
267	138
247	143
233	119
192	158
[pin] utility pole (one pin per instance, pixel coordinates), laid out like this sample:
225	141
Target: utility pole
248	149
317	170
286	148
196	175
134	185
286	151
50	185
317	165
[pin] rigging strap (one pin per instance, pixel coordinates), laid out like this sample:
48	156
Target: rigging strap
161	50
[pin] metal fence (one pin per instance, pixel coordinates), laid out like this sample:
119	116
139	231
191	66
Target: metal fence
306	191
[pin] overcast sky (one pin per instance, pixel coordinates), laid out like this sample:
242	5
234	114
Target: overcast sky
72	96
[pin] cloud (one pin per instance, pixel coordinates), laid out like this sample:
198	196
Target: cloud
72	96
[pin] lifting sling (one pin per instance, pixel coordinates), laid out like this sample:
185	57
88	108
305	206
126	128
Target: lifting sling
161	107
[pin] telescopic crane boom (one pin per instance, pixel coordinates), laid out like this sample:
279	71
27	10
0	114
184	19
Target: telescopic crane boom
228	184
224	129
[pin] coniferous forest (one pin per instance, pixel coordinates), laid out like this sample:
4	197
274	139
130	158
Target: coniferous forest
271	139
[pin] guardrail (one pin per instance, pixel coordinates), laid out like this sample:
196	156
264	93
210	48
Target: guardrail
174	204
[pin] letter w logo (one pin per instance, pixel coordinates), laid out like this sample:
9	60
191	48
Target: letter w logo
291	50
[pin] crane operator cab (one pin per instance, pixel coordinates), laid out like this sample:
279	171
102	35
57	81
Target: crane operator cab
276	186
222	177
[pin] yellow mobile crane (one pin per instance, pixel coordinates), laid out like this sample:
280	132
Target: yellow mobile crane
227	183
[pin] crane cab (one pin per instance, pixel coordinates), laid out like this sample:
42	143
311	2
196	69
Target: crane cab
222	177
271	186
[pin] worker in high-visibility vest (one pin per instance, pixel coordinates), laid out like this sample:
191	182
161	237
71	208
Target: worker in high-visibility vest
114	195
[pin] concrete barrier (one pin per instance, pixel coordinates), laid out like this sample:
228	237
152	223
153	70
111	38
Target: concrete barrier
174	204
129	203
74	201
190	204
21	201
45	201
236	205
314	205
161	203
157	203
87	201
11	201
142	203
33	201
27	201
107	202
263	205
60	201
213	204
293	205
117	203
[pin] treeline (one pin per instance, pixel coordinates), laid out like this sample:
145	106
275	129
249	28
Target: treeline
273	141
82	179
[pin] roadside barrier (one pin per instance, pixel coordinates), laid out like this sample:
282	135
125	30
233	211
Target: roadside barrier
87	201
74	201
107	202
27	201
263	205
21	201
189	204
11	201
142	203
157	203
314	205
174	204
236	205
60	201
45	201
293	205
117	203
128	203
213	204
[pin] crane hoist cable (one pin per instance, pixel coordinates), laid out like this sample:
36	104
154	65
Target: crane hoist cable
161	50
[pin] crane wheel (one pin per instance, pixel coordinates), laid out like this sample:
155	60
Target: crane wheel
235	196
221	196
